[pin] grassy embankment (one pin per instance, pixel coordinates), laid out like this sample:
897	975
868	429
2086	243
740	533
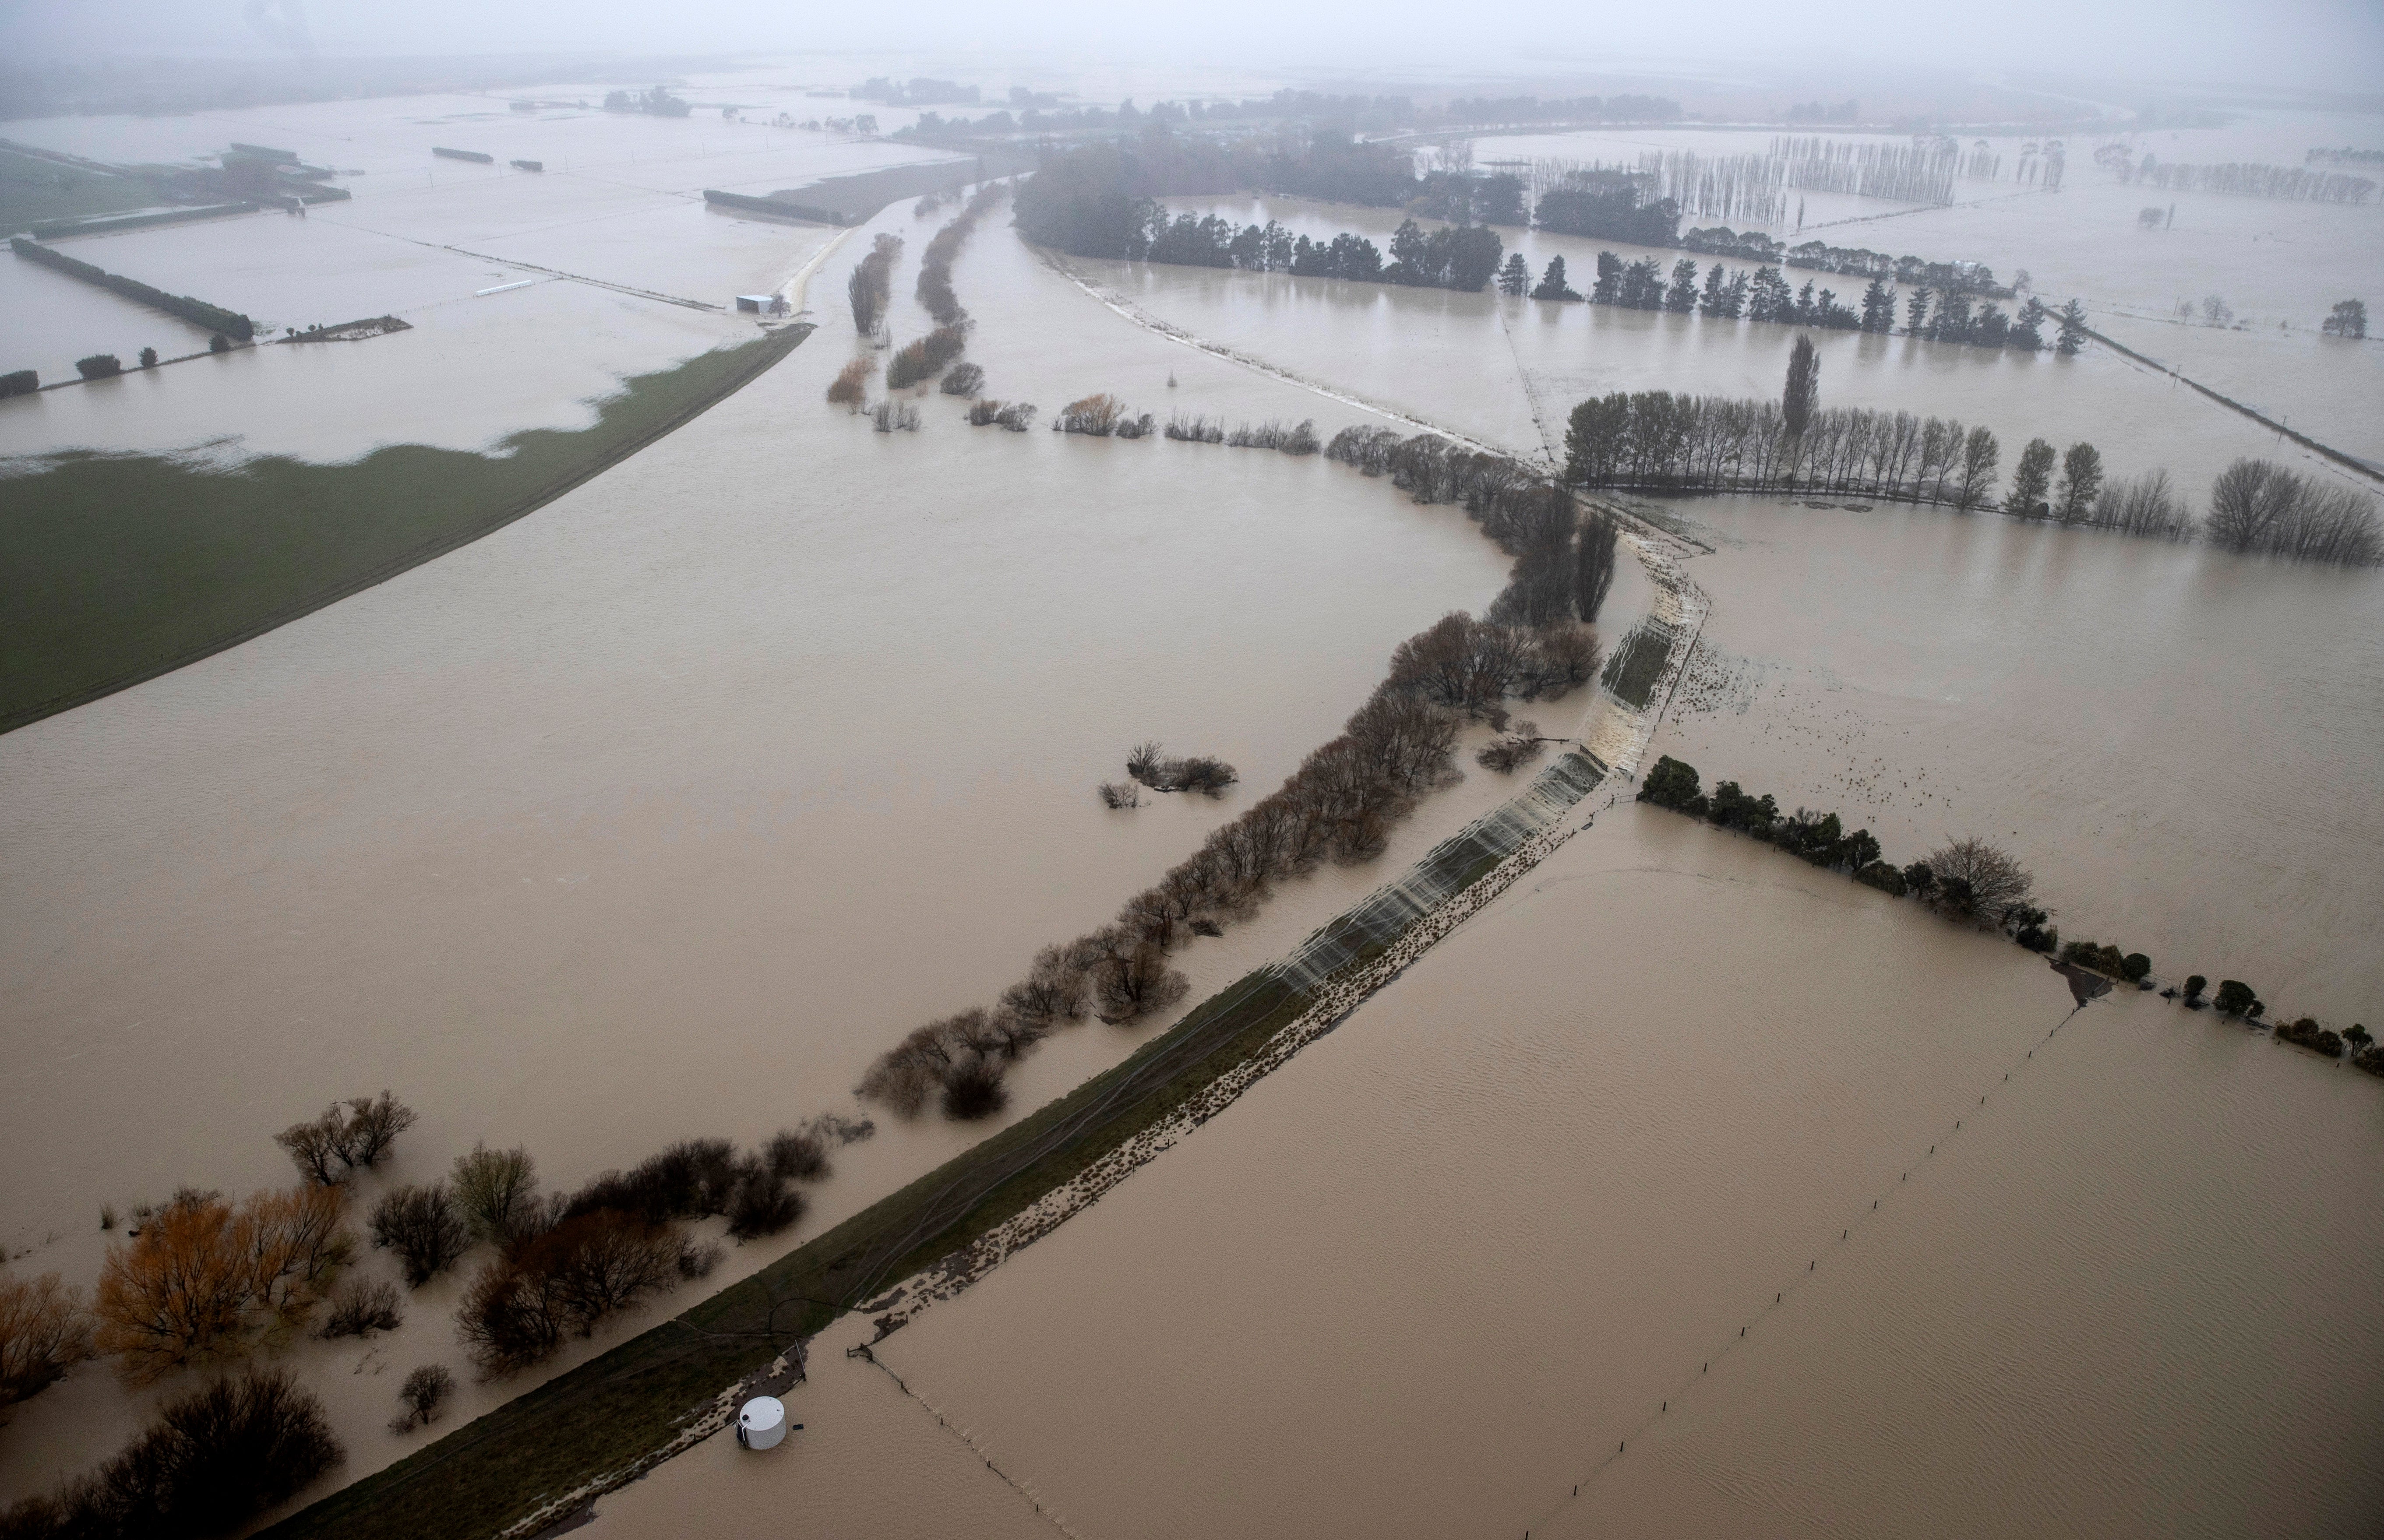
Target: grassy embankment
118	569
500	1467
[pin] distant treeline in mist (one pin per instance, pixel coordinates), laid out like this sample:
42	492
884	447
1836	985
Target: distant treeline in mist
1088	201
1101	200
1345	115
2245	179
1344	800
2345	156
1764	294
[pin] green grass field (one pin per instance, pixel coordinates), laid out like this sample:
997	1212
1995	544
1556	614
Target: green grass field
31	190
118	569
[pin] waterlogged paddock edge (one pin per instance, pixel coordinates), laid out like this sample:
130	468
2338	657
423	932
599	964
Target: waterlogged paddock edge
602	1424
118	568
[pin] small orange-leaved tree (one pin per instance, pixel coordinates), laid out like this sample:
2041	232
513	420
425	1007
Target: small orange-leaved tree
205	1280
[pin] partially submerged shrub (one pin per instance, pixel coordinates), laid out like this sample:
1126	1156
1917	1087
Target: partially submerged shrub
45	1332
2306	1033
894	416
1096	414
965	380
850	389
798	1155
1511	752
2235	997
346	1136
425	1391
202	1280
423	1225
1150	765
495	1191
359	1308
1132	426
520	1308
762	1203
1884	877
1290	438
1195	429
974	1090
1118	795
924	358
214	1459
1018	417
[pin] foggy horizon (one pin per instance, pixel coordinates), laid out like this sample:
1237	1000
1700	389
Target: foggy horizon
1203	772
2325	45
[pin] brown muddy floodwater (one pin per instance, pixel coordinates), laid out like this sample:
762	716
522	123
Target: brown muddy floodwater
1426	1278
2182	745
662	811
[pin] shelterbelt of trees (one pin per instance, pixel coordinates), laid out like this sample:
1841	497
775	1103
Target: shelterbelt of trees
1342	802
1039	113
1101	200
1974	881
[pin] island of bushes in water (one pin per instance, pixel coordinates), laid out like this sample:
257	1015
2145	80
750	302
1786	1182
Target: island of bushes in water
201	1285
1974	882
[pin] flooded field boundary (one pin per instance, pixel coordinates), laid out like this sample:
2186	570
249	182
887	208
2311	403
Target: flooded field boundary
88	626
2348	462
539	1461
1118	305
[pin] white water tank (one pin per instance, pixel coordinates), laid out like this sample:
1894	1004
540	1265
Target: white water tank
763	1423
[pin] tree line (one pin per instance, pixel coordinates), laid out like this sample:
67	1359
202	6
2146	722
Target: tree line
2246	180
1340	805
1973	881
1764	294
1655	440
1313	110
1082	211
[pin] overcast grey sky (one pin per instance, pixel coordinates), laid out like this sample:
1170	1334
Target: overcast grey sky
2336	44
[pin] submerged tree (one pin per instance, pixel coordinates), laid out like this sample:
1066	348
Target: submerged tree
1552	285
2348	319
1804	387
2032	481
2073	330
2081	479
1514	278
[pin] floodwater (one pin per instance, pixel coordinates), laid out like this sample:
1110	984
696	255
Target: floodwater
1459	359
2203	791
1478	1247
619	209
662	811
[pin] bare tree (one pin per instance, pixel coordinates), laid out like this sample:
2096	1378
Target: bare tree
1978	453
45	1332
1977	879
